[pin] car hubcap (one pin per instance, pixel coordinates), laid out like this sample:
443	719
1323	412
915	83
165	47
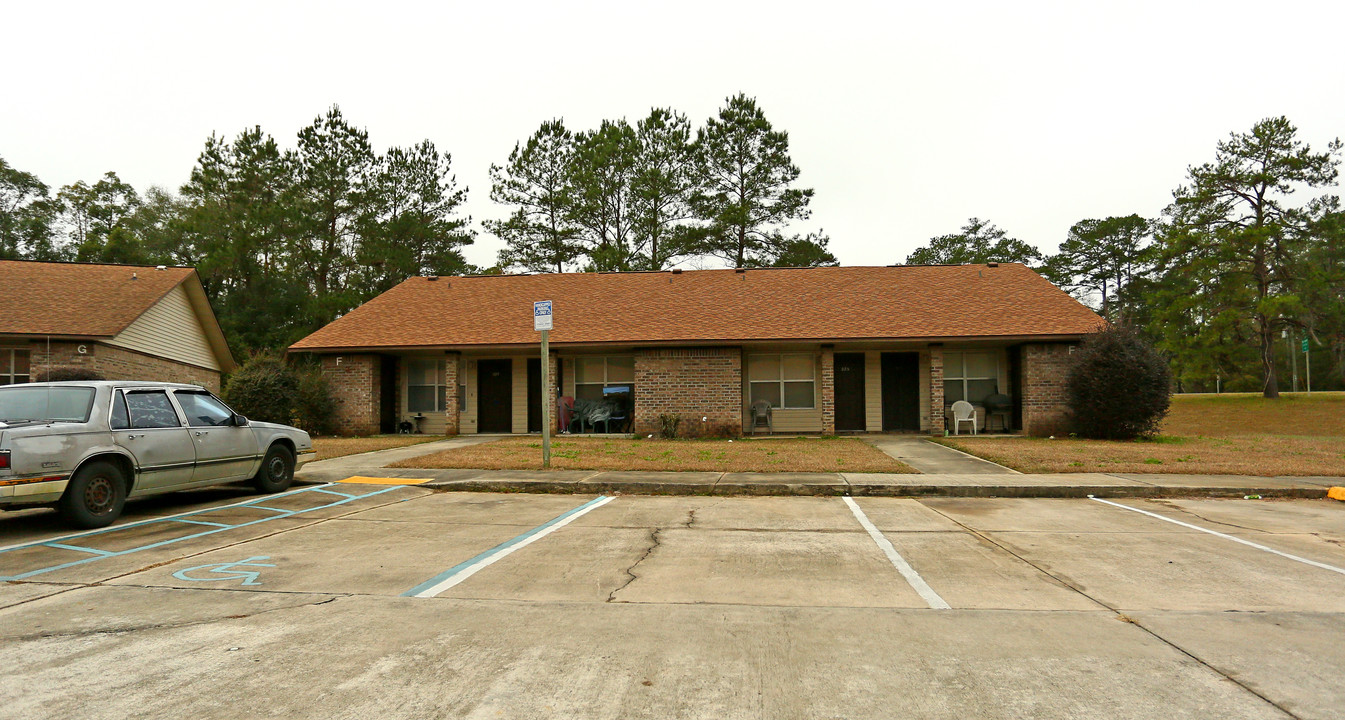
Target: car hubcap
99	494
277	469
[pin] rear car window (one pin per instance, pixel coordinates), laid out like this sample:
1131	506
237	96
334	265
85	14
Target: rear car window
151	410
22	403
119	420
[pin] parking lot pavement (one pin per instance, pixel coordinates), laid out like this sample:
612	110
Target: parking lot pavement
358	600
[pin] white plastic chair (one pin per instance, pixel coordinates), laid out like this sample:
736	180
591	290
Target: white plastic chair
963	412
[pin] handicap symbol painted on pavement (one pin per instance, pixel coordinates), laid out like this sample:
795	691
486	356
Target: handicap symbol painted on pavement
225	571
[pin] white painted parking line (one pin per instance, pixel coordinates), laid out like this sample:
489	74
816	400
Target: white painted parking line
462	571
1238	540
917	583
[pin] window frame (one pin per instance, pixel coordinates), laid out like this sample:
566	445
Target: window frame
172	405
10	354
781	381
962	376
440	384
178	394
607	380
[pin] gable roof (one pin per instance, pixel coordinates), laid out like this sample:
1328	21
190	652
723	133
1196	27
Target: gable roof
784	304
78	300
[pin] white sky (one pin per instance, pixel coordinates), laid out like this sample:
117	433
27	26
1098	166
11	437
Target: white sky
906	118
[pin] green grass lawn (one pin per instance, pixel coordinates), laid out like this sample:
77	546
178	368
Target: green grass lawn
1232	433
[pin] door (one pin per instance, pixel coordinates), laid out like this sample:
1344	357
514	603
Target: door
495	396
901	391
850	392
147	425
224	451
534	395
387	395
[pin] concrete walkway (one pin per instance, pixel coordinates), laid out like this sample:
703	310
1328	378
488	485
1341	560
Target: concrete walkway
933	458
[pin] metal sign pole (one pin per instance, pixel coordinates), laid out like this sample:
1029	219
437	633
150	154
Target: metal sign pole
546	400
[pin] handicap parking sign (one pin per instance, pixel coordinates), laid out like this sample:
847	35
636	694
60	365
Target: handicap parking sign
541	315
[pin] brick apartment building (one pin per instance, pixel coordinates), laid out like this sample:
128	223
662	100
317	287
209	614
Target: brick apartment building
833	350
125	322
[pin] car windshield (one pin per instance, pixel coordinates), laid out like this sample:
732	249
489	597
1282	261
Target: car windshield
25	403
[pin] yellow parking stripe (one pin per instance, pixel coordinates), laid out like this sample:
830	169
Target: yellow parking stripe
385	481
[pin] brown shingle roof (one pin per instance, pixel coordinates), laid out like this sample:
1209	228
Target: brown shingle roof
38	298
714	305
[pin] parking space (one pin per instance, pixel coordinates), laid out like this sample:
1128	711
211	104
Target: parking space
637	606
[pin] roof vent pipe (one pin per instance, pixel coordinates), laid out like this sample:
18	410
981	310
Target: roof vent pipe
740	271
432	278
161	267
677	271
992	264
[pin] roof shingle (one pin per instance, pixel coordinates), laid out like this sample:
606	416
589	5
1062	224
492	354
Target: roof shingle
39	298
907	302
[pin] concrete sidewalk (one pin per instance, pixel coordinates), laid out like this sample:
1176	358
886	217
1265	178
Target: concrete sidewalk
960	478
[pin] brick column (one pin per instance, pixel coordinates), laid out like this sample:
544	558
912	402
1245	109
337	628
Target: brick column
936	420
354	380
551	368
828	391
1045	367
452	373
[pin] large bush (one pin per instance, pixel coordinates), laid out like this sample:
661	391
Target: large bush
66	374
264	389
314	407
1119	387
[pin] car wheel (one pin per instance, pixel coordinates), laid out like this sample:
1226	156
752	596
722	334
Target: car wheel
95	496
277	470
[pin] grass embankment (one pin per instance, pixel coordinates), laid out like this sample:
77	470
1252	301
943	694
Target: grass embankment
330	447
766	455
1233	433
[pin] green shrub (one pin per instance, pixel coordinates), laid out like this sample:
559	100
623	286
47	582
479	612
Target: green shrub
264	388
314	407
66	374
668	425
1118	386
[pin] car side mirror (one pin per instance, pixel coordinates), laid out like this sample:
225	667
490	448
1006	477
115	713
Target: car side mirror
240	421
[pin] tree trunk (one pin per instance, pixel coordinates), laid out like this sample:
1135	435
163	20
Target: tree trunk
1271	388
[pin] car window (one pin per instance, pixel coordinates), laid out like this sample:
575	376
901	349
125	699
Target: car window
203	410
120	420
151	410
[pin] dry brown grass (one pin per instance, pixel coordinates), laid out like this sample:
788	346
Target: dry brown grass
1235	434
767	455
330	447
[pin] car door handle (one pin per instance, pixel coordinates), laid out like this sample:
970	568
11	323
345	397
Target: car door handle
199	433
132	437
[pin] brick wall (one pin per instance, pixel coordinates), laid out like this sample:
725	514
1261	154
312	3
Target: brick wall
452	373
115	363
1043	389
354	380
828	391
936	418
694	383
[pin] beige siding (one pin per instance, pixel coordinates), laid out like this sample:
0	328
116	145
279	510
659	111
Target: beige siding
519	409
468	418
170	329
873	391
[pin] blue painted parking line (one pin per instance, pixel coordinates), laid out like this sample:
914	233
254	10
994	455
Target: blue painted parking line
263	507
77	548
55	541
198	522
333	492
464	570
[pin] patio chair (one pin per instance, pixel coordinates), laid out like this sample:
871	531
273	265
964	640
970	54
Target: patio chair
581	409
761	414
600	413
963	411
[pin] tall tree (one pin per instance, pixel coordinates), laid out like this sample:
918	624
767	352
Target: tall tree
1323	288
662	188
414	226
746	195
92	212
1101	258
1234	231
26	216
979	242
335	164
602	173
539	233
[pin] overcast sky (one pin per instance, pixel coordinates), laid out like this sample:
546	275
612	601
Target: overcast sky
906	118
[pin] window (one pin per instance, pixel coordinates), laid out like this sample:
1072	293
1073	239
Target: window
119	420
203	410
598	378
150	410
68	404
970	376
425	388
784	381
13	366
